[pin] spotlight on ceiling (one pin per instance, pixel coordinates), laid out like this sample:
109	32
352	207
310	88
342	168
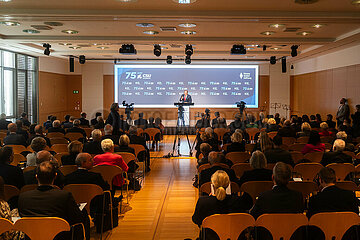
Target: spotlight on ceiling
188	59
238	49
294	52
169	59
264	47
292	66
157	50
189	50
82	59
47	49
272	60
127	49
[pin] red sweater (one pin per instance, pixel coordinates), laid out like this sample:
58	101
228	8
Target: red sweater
308	148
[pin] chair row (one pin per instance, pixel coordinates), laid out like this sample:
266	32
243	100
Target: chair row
281	226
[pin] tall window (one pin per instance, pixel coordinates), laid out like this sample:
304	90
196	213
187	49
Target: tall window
18	77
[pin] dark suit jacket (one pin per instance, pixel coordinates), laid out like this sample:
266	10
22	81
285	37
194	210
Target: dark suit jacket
15	139
236	147
47	201
46	139
333	199
12	175
141	122
124	149
84	122
47	124
335	157
209	205
23	132
278	200
93	148
260	174
93	121
59	129
188	99
76	129
134	139
287	132
69	159
331	124
272	128
4	123
30	178
114	138
205	175
278	155
83	176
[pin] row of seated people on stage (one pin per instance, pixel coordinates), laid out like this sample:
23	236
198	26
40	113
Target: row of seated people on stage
279	199
48	199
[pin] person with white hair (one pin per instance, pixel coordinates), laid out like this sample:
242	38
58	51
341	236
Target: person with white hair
348	146
337	155
56	127
108	134
94	146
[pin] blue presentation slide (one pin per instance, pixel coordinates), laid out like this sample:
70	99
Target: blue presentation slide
156	86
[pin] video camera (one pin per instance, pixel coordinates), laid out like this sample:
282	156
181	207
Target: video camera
128	107
241	105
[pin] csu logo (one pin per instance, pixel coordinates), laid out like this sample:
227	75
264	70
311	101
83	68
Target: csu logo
241	76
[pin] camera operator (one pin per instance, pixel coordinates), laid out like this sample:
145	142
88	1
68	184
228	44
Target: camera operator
204	122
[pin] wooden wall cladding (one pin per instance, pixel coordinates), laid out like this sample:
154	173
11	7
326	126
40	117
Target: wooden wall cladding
320	92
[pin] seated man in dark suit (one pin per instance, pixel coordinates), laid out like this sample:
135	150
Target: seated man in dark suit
277	154
237	143
43	156
214	122
135	139
280	199
337	155
39	132
76	128
94	121
287	130
215	157
331	198
3	122
330	121
13	138
12	175
21	130
47	201
83	176
83	121
94	147
108	130
68	123
24	119
56	127
259	172
141	122
48	122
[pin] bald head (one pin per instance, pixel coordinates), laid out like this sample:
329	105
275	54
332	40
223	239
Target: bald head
12	127
43	156
84	160
39	129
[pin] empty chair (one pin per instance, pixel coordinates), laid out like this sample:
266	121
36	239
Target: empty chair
127	157
296	156
60	148
240	168
18	158
272	134
55	135
238	157
220	132
18	148
67	169
58	141
347	185
151	132
305	187
288	140
308	171
206	188
314	156
334	224
297	147
281	226
302	140
255	188
252	132
341	170
72	136
228	226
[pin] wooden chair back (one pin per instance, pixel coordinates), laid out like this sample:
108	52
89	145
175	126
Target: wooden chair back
288	140
127	157
28	187
341	170
224	147
18	148
296	156
60	148
297	147
249	147
10	191
326	139
61	140
140	131
152	133
203	167
55	135
220	132
252	132
305	187
67	169
302	140
347	185
308	171
29	168
84	193
238	157
282	226
138	148
18	158
314	156
228	226
255	188
206	187
88	131
5	225
240	168
107	172
272	134
351	154
48	226
72	136
334	224
270	166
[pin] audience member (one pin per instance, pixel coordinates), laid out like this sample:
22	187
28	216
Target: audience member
74	148
287	130
52	202
24	119
12	175
325	130
331	198
3	122
343	112
356	121
94	121
305	130
124	126
214	122
124	142
261	122
259	173
100	123
346	126
221	123
337	155
251	123
21	130
348	146
37	144
48	122
56	127
68	123
280	199
13	138
76	128
237	143
83	121
141	122
94	146
204	122
330	122
205	149
214	158
39	132
109	158
277	118
108	134
135	139
313	122
236	124
318	118
207	137
264	143
277	154
272	126
314	144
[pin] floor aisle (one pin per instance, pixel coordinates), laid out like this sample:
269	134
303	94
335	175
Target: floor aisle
164	206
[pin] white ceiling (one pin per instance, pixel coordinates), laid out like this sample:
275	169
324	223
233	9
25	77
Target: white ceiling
220	24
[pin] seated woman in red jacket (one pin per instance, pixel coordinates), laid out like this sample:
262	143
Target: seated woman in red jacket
109	158
325	130
314	144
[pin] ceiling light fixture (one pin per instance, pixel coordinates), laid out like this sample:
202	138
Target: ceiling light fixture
126	1
318	25
305	1
5	0
188	32
10	23
304	33
294	49
157	50
151	32
144	25
249	48
70	31
277	25
275	48
238	49
169	59
102	47
272	60
268	33
54	24
47	49
187	25
184	1
189	50
31	31
82	59
264	47
75	47
65	44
